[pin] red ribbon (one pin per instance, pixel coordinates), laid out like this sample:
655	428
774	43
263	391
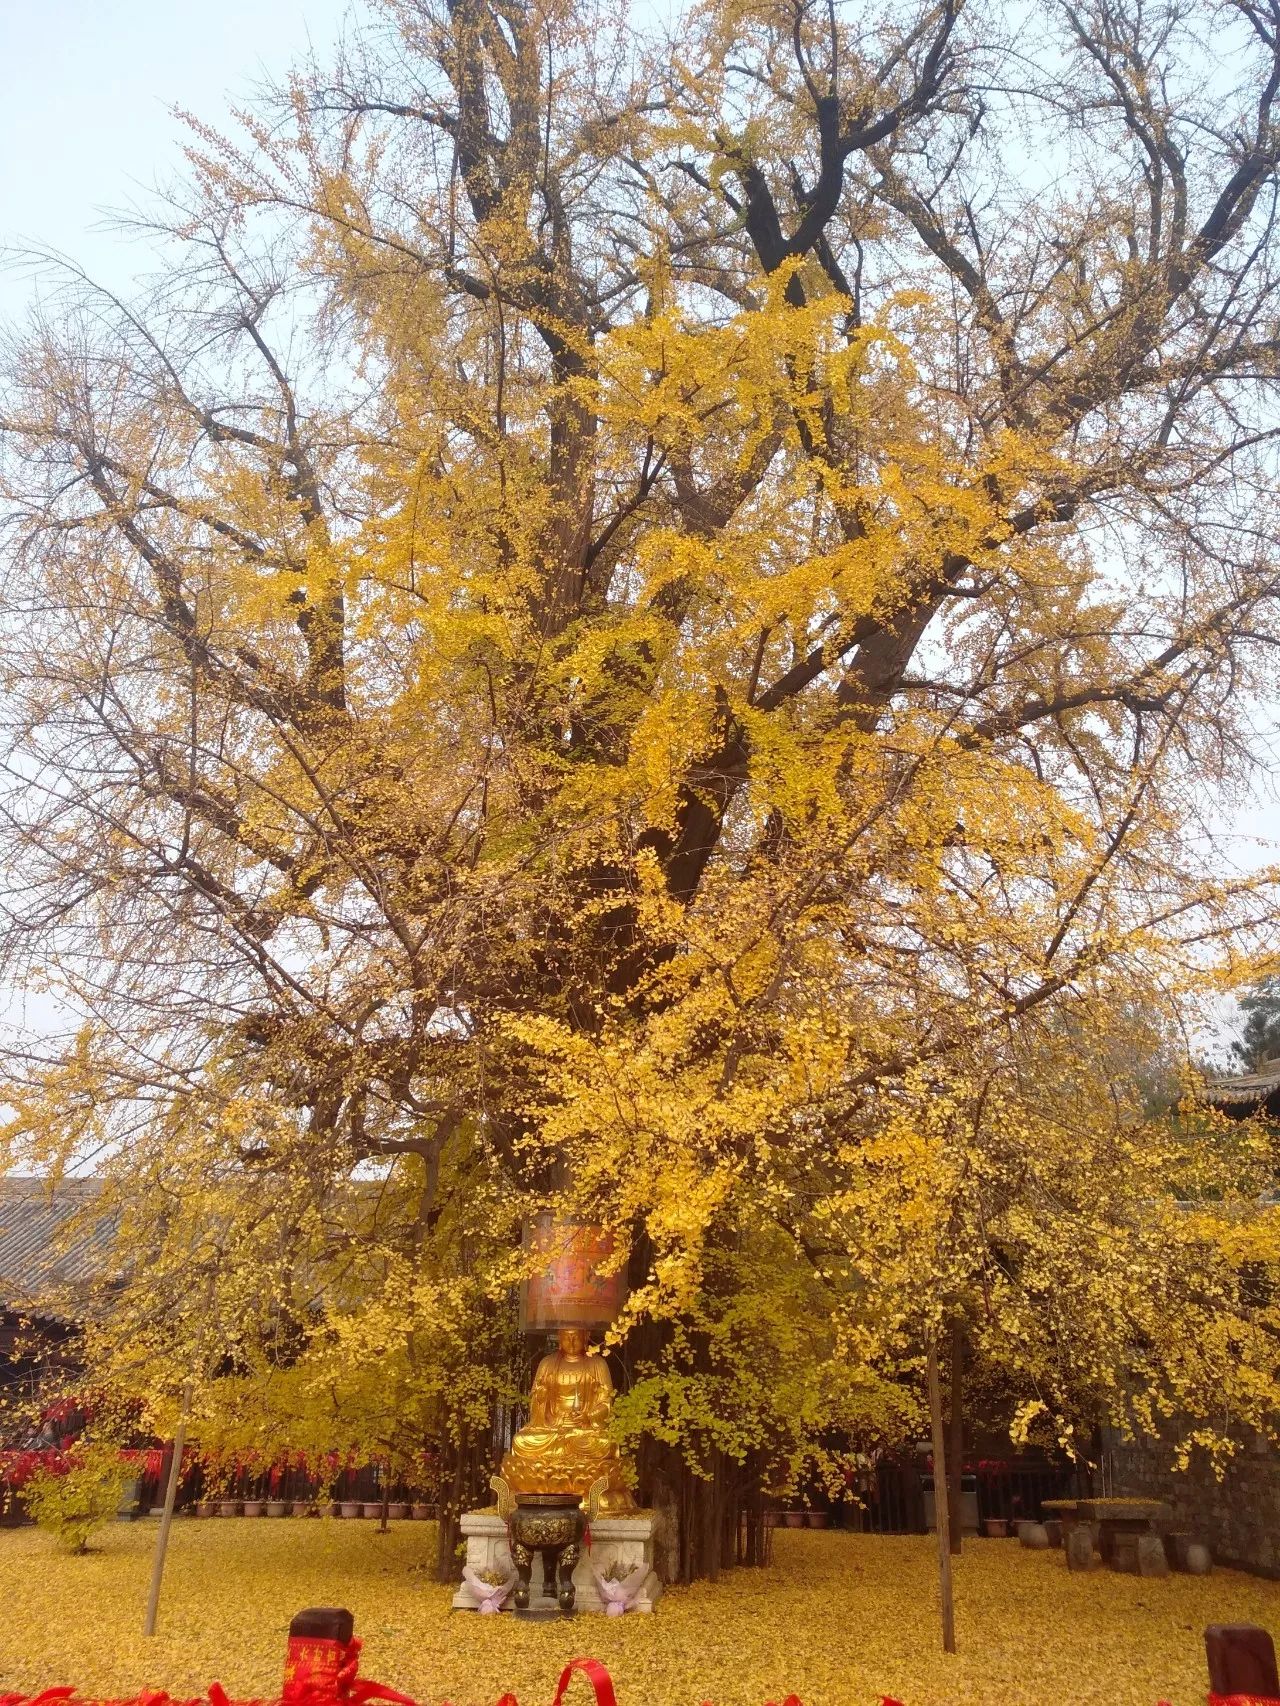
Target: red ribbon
595	1674
323	1672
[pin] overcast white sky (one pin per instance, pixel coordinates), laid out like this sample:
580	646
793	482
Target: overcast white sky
86	92
86	88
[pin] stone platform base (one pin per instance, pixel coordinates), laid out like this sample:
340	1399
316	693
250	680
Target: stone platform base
624	1541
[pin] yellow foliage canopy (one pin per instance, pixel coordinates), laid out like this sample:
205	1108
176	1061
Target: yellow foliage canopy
652	632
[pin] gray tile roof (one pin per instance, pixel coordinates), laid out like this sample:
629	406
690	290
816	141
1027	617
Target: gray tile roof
51	1244
1254	1087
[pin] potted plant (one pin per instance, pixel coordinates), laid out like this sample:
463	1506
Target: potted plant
423	1512
277	1507
793	1519
816	1519
254	1507
996	1527
350	1507
397	1510
228	1507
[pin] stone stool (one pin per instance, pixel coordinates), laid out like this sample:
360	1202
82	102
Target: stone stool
1077	1543
1139	1554
1186	1553
1199	1560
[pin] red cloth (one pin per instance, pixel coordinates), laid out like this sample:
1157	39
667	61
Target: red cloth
312	1667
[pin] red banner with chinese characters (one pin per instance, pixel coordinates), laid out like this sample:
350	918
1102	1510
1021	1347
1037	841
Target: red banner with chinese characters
566	1287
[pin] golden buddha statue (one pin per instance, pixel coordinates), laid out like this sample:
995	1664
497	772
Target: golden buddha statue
566	1446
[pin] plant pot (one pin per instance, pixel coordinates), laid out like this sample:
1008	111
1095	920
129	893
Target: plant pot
277	1507
228	1507
305	1507
397	1511
770	1519
373	1507
995	1527
349	1507
423	1513
793	1519
254	1507
816	1519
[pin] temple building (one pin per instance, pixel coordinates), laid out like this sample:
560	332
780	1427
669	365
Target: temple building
1254	1093
47	1262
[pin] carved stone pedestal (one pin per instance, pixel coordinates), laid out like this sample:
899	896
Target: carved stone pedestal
620	1542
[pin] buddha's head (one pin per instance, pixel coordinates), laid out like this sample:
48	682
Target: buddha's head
572	1341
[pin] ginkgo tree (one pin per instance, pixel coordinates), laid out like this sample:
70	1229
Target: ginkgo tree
649	619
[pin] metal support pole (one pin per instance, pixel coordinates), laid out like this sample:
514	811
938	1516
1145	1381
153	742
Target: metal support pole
941	1514
955	1445
166	1516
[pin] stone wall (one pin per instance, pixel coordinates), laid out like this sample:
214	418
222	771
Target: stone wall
1238	1517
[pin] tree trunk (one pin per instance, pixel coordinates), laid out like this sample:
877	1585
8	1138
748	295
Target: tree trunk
707	1557
955	1465
687	1539
707	1512
449	1530
941	1521
715	1508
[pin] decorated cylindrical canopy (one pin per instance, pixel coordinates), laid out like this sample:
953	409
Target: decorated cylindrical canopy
566	1287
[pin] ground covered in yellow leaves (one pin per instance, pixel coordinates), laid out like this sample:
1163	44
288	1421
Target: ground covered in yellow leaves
840	1619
